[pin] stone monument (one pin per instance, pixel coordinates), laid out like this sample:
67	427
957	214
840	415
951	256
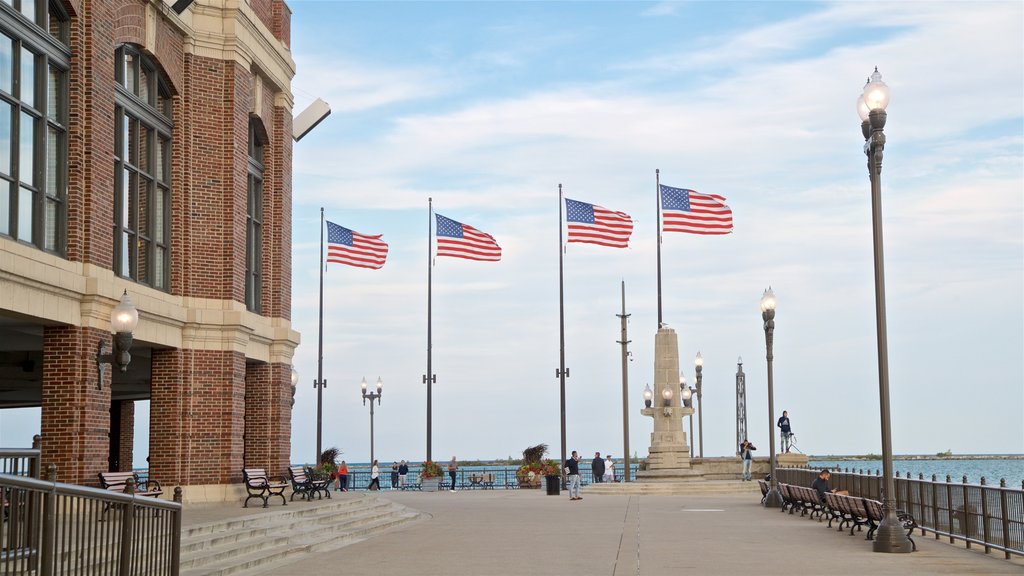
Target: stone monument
669	455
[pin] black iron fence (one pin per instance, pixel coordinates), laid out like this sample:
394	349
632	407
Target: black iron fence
500	477
976	514
49	529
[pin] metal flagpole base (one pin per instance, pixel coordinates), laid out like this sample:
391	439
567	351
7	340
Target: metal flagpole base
773	499
891	537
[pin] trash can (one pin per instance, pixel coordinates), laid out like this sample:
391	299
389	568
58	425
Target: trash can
554	484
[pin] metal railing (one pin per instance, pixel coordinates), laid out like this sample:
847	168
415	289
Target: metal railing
504	478
21	461
49	528
976	514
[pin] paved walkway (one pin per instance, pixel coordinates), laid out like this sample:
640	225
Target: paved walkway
525	532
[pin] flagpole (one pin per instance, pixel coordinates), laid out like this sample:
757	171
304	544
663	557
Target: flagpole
657	190
320	384
429	378
562	372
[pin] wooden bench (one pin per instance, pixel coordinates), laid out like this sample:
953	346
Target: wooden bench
847	510
308	484
260	485
118	482
875	515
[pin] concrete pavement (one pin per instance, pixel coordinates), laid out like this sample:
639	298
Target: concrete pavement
526	532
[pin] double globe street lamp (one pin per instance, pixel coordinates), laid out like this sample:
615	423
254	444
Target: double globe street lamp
871	108
371	396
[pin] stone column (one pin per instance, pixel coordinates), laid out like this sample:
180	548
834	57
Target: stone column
669	455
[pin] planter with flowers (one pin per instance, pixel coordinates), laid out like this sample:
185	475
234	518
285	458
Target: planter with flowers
430	476
535	468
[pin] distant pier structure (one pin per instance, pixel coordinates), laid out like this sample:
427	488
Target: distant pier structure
741	405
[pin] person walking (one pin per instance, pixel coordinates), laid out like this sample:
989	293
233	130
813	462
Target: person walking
597	468
394	475
572	472
343	476
787	432
609	469
747	456
374	476
403	472
453	467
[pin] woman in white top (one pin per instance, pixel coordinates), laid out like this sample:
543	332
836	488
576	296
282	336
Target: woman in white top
374	476
609	469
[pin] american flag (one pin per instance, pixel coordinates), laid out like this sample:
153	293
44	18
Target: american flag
347	247
460	240
688	211
596	225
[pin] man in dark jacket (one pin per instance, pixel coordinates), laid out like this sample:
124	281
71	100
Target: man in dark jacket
597	467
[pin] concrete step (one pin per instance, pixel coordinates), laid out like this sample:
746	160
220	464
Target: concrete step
256	543
263	526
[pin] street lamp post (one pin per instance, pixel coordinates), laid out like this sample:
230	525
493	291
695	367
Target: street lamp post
372	396
686	393
773	499
123	320
871	107
698	363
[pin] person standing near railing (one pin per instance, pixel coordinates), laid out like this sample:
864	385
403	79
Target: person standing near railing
343	477
572	472
403	472
597	468
453	467
787	433
609	469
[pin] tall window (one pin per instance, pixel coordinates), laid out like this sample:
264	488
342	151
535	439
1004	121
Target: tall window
34	60
142	162
254	219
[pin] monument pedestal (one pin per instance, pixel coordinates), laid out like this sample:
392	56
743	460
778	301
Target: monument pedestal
791	460
668	457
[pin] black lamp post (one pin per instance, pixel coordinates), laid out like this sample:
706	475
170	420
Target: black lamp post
871	105
698	364
123	320
773	499
372	396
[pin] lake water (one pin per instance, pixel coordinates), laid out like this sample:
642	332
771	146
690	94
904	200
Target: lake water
991	469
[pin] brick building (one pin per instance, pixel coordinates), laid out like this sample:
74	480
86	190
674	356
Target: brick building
148	152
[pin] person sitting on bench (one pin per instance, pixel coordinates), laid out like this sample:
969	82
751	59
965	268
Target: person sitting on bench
821	485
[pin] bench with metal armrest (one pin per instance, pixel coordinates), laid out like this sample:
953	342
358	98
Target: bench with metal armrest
260	485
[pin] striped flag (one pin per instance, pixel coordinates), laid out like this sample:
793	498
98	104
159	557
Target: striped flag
596	225
460	240
347	247
691	212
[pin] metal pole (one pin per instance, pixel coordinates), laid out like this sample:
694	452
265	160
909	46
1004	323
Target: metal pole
890	536
657	190
700	413
625	387
773	499
562	371
319	384
371	429
691	423
429	378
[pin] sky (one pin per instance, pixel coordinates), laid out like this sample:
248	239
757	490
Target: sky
486	107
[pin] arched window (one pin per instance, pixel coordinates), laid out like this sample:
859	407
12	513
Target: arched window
34	61
142	170
254	218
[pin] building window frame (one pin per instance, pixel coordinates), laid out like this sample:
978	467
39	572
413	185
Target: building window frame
35	60
143	130
254	217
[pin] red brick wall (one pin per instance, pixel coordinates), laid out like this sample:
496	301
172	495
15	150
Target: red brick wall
76	412
198	408
127	437
197	413
268	416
